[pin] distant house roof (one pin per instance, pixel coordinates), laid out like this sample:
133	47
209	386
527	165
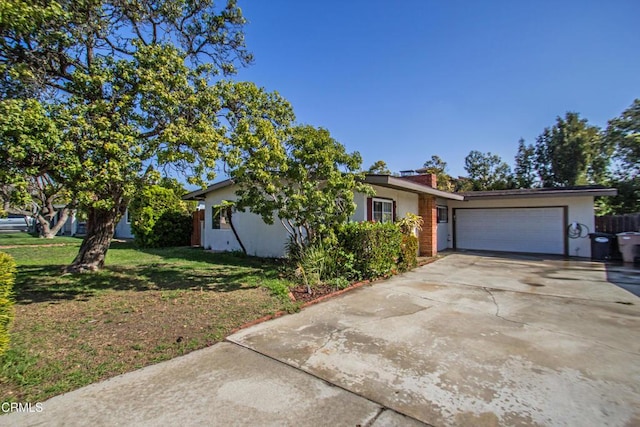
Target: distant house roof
586	190
410	186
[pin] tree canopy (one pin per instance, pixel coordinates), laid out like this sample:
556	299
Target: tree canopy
114	89
571	152
487	171
379	168
305	180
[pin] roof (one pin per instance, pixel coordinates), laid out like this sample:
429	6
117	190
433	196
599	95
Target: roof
401	184
199	194
410	186
585	190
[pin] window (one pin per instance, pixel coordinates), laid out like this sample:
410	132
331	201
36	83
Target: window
443	214
220	218
128	215
382	210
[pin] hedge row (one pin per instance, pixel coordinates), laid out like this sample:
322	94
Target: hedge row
7	277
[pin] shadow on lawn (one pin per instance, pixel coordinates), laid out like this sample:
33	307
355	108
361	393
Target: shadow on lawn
179	269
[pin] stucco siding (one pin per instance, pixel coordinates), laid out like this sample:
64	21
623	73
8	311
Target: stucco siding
123	228
259	238
405	202
579	209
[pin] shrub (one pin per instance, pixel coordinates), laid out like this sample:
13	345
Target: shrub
160	218
7	277
408	252
375	247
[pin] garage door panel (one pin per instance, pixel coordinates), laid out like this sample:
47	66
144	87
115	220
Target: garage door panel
536	230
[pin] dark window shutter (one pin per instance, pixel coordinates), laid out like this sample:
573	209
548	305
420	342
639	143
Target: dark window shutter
369	209
394	211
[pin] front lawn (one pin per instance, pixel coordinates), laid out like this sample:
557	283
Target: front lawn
144	307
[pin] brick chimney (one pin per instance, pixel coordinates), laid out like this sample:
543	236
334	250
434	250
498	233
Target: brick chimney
428	179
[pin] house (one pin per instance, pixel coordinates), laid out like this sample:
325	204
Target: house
549	221
76	227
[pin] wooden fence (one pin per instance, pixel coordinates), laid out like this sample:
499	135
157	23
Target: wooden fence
618	223
198	222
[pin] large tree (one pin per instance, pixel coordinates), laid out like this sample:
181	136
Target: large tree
304	178
32	157
128	85
438	167
524	172
571	152
487	171
379	168
623	134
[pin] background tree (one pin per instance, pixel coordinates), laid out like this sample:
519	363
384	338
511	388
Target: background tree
487	171
525	166
303	177
379	168
623	134
571	153
437	166
126	85
32	155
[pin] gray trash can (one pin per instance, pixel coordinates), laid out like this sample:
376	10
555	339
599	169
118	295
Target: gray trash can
601	246
629	244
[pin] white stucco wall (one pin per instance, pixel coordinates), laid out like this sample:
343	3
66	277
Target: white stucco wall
123	228
580	209
405	202
259	239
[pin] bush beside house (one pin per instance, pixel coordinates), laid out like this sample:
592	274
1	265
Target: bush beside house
360	251
160	218
7	276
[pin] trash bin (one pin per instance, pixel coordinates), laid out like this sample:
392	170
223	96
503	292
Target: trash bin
629	244
601	246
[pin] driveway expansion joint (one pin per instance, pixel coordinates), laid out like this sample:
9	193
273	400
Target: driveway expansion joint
383	407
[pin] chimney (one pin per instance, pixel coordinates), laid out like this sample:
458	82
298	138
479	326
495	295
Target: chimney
428	179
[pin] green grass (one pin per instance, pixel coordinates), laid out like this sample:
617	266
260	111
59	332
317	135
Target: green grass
21	239
145	306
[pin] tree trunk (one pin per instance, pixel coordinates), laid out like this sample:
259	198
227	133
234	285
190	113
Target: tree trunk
233	228
101	225
64	216
45	228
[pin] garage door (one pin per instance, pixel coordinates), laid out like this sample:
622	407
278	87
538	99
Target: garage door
536	230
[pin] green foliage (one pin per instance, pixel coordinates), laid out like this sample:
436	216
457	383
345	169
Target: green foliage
408	258
487	171
7	278
410	223
110	87
525	168
303	177
571	153
437	166
379	168
375	247
623	133
159	218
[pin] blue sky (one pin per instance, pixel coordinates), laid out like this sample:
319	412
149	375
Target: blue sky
403	80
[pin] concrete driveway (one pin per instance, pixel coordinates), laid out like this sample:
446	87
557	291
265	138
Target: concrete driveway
469	340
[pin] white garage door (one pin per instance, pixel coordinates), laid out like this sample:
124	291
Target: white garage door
536	230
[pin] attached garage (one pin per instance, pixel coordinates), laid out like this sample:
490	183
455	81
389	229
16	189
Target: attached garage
525	221
535	230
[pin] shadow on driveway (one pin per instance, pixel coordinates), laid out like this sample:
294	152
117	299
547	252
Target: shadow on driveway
625	276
